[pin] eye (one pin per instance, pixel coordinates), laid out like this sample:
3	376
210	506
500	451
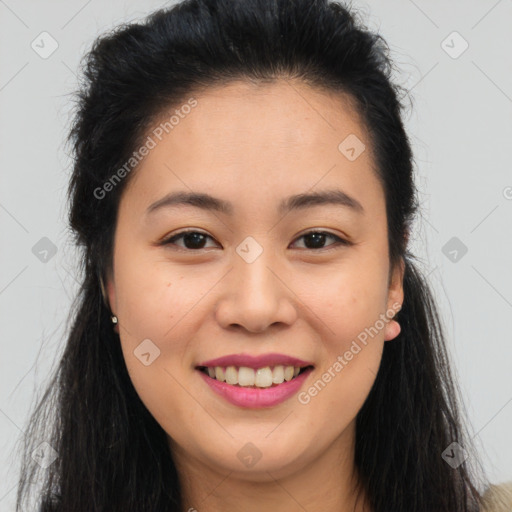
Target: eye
192	239
195	240
316	239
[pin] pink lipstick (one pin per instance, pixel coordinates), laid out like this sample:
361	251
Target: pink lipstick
255	381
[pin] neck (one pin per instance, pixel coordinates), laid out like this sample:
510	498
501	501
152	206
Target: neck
327	483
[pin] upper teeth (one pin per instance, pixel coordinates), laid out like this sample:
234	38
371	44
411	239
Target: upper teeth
261	377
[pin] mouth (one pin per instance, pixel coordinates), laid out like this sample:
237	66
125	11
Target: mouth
255	381
256	378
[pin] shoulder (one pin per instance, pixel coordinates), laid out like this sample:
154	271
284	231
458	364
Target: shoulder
498	498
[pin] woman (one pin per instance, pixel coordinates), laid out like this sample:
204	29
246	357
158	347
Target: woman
252	332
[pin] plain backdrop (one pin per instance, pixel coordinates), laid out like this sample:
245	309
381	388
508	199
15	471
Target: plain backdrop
454	57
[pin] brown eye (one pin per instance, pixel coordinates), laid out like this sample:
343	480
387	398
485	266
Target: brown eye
192	240
316	239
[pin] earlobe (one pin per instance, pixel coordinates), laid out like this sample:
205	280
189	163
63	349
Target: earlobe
393	329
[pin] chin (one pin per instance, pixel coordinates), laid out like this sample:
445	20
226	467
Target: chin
258	459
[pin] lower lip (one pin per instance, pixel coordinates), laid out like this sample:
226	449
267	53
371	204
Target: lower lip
256	398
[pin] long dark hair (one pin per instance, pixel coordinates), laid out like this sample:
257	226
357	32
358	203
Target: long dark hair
112	454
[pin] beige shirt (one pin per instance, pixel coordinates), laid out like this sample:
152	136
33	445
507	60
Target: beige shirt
498	498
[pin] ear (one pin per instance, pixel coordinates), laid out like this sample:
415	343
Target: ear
111	298
396	285
395	299
111	293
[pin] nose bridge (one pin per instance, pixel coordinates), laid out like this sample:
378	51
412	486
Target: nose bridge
255	281
255	297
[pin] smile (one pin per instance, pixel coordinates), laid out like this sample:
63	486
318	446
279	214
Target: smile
246	377
255	382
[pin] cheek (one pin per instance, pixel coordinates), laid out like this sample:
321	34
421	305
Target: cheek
350	303
153	296
352	345
153	305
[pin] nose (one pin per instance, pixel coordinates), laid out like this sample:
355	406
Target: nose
255	297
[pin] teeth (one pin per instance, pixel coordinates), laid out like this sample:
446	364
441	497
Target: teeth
263	377
278	375
247	377
219	374
231	375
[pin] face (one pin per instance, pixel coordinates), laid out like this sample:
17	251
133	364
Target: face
253	280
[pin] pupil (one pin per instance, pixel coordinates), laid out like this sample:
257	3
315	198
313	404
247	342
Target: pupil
316	237
195	239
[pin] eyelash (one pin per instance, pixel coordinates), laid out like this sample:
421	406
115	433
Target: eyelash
341	241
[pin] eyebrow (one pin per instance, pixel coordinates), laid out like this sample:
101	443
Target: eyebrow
291	203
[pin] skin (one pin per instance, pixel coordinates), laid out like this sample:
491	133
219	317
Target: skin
255	145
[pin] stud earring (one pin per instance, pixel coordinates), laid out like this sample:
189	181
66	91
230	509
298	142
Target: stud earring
114	319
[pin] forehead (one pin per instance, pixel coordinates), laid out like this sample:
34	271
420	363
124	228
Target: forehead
268	137
276	115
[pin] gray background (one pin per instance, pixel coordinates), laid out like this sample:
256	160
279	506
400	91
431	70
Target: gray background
460	127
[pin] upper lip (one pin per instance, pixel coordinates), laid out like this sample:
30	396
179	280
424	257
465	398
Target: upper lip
256	361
